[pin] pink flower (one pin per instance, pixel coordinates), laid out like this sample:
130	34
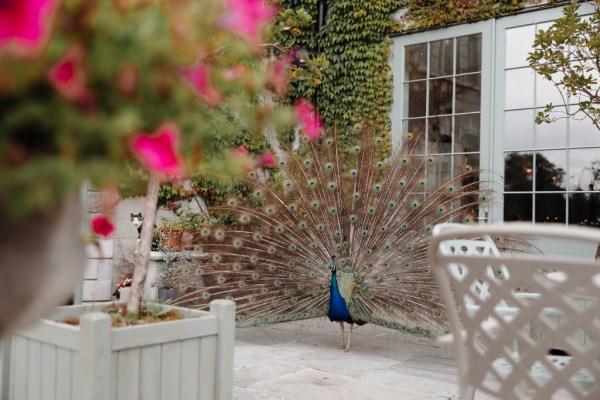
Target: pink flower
240	151
246	18
25	23
278	74
199	80
102	226
68	75
267	159
309	119
160	152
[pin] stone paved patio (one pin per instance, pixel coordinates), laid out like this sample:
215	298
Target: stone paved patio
301	360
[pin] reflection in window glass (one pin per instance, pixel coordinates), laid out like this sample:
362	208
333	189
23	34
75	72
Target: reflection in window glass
518	207
468	54
583	133
440	96
518	130
519	88
584	169
550	208
417	127
550	169
519	42
546	92
584	209
440	171
518	172
441	58
553	134
414	99
466	132
415	66
440	134
468	93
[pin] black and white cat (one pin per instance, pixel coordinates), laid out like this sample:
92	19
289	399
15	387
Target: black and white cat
138	220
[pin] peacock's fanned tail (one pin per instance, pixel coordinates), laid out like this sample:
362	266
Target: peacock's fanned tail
376	217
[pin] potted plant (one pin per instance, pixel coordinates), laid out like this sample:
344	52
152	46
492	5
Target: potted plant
169	232
81	85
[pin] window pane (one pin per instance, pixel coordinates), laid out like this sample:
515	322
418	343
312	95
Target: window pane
441	58
440	96
518	172
468	54
518	130
550	170
519	88
466	132
415	64
583	133
414	99
440	172
584	169
417	127
553	134
584	209
519	42
550	208
518	207
546	92
440	134
468	93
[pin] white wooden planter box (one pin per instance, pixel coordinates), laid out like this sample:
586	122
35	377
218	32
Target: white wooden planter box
190	358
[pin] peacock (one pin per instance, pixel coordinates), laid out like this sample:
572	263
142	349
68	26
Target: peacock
340	231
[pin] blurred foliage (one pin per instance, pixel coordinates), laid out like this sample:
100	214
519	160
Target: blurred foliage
133	56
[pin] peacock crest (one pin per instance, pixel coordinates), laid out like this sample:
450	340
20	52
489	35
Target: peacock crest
374	215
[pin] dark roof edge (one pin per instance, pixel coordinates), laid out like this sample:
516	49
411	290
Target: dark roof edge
517	12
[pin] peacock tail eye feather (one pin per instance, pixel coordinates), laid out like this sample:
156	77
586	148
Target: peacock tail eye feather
282	164
402	183
404	225
405	161
264	290
308	163
328	142
329	167
441	210
219	234
356	196
467	168
368	252
244	219
378	140
357	128
407	265
292	247
320	227
258	193
236	267
279	229
241	284
353	173
252	174
415	204
287	185
257	237
337	234
371	210
314	245
331	185
302	225
364	233
356	150
205	232
237	243
255	276
382	229
377	187
428	228
221	279
386	265
232	202
430	160
199	271
421	183
253	259
314	204
272	250
379	165
467	219
270	210
409	136
291	264
391	205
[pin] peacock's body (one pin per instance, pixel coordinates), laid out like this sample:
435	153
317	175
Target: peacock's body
374	216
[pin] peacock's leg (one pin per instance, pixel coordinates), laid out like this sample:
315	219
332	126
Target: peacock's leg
342	329
349	336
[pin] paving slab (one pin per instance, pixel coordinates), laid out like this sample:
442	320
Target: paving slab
301	360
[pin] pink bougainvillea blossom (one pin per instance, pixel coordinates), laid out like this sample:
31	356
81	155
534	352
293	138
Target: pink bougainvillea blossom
25	23
69	77
278	75
240	151
235	72
199	80
267	159
309	119
102	226
246	18
160	152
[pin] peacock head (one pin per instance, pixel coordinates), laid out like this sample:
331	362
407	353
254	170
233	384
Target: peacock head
332	264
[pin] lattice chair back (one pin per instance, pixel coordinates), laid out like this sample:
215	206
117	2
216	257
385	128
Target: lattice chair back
498	354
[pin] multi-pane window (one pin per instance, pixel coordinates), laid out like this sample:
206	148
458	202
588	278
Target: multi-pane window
552	171
442	100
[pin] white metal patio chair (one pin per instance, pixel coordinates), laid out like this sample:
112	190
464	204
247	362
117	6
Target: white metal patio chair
496	328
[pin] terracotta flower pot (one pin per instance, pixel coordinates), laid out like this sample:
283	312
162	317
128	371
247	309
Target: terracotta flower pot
171	239
42	259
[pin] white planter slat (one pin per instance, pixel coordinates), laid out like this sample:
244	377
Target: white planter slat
150	373
186	359
49	371
34	370
170	370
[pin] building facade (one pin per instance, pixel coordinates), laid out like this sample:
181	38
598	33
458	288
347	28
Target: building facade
469	89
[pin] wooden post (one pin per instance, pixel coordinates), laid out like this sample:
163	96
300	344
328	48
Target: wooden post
225	311
95	356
